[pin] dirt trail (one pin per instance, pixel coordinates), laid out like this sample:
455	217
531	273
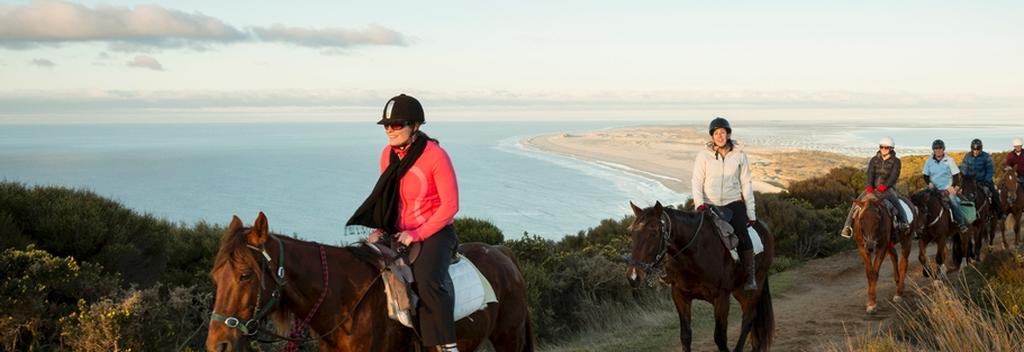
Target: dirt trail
826	303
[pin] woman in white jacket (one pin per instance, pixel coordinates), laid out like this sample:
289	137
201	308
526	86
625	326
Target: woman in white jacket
722	178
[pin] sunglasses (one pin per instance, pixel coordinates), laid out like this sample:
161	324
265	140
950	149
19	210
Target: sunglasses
395	126
884	147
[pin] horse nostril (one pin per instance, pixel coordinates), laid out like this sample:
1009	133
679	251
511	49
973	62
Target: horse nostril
223	346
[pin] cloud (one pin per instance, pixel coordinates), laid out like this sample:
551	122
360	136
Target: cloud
330	37
43	63
145	61
146	28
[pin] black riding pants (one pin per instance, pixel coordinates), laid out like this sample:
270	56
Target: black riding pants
434	285
739	224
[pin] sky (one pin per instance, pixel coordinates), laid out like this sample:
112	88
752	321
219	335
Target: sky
196	61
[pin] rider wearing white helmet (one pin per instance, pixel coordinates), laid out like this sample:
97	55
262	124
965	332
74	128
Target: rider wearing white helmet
883	172
1015	159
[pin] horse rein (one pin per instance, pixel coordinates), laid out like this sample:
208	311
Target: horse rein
665	230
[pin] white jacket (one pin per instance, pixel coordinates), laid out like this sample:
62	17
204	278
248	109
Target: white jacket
720	181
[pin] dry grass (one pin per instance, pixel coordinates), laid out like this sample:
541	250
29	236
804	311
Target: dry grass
969	313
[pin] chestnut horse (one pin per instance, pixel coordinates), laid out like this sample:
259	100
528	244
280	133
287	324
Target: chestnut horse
261	276
1011	196
936	226
970	245
876	237
698	266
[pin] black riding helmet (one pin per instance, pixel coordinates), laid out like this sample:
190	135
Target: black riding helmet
976	143
402	109
717	123
938	143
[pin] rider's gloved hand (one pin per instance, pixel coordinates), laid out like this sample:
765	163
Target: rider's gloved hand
751	223
869	189
882	188
702	207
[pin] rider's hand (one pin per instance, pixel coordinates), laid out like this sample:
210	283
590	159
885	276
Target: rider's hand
405	238
952	190
375	236
751	223
702	207
869	189
882	188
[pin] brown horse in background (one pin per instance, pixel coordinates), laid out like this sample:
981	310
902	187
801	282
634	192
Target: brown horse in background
1011	196
876	237
936	226
698	266
261	276
970	245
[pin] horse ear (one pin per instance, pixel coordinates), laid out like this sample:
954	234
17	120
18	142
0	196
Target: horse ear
636	209
657	207
258	235
236	224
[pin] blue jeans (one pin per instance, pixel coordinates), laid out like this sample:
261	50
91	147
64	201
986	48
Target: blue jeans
958	214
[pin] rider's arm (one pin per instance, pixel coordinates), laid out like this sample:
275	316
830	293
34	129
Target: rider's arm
870	179
989	168
697	179
447	191
956	180
747	186
894	176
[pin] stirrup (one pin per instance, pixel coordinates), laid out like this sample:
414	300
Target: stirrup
451	347
847	232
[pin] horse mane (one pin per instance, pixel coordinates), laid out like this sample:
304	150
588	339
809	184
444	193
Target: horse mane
233	244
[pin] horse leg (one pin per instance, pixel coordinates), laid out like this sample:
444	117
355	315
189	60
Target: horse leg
683	309
872	274
904	264
922	256
747	305
895	271
721	305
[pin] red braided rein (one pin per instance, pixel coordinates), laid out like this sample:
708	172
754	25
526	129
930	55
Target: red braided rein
300	326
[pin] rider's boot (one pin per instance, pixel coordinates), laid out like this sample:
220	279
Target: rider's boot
747	259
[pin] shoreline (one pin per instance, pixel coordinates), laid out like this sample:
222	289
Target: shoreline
665	154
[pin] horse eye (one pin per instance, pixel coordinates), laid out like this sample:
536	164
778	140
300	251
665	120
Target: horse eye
246	276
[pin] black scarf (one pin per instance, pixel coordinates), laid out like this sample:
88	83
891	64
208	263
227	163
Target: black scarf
380	209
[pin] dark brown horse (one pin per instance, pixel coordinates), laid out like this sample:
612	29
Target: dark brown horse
698	266
876	237
936	226
970	245
1011	196
262	276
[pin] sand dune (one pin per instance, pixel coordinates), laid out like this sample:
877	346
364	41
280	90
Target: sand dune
669	151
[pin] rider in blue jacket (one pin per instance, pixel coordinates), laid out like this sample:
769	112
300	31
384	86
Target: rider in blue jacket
978	164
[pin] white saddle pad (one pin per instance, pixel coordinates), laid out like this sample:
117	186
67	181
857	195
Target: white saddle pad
472	291
755	240
906	210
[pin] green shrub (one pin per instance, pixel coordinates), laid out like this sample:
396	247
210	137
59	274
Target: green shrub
477	230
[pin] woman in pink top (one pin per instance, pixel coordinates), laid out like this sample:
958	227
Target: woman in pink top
415	200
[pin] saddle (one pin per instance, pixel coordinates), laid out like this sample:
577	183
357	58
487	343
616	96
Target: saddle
727	233
472	291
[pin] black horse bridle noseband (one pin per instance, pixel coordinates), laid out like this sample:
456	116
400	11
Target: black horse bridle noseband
665	230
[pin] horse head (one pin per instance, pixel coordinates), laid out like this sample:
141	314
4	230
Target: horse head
248	286
870	221
969	188
1009	184
649	237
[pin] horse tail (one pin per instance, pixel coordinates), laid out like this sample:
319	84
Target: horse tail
763	326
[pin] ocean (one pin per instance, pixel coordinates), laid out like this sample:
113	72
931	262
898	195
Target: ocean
309	177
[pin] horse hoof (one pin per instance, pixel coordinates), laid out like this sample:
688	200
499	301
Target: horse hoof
871	309
897	299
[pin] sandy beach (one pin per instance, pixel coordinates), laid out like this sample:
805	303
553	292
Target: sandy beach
666	153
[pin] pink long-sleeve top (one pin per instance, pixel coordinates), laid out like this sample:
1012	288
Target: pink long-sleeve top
428	192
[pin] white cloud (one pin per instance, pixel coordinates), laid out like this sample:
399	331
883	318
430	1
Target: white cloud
43	63
146	28
145	61
330	37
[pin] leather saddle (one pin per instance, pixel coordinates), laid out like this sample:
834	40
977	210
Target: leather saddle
723	228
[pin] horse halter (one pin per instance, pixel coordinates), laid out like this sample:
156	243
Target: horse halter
252	326
665	230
